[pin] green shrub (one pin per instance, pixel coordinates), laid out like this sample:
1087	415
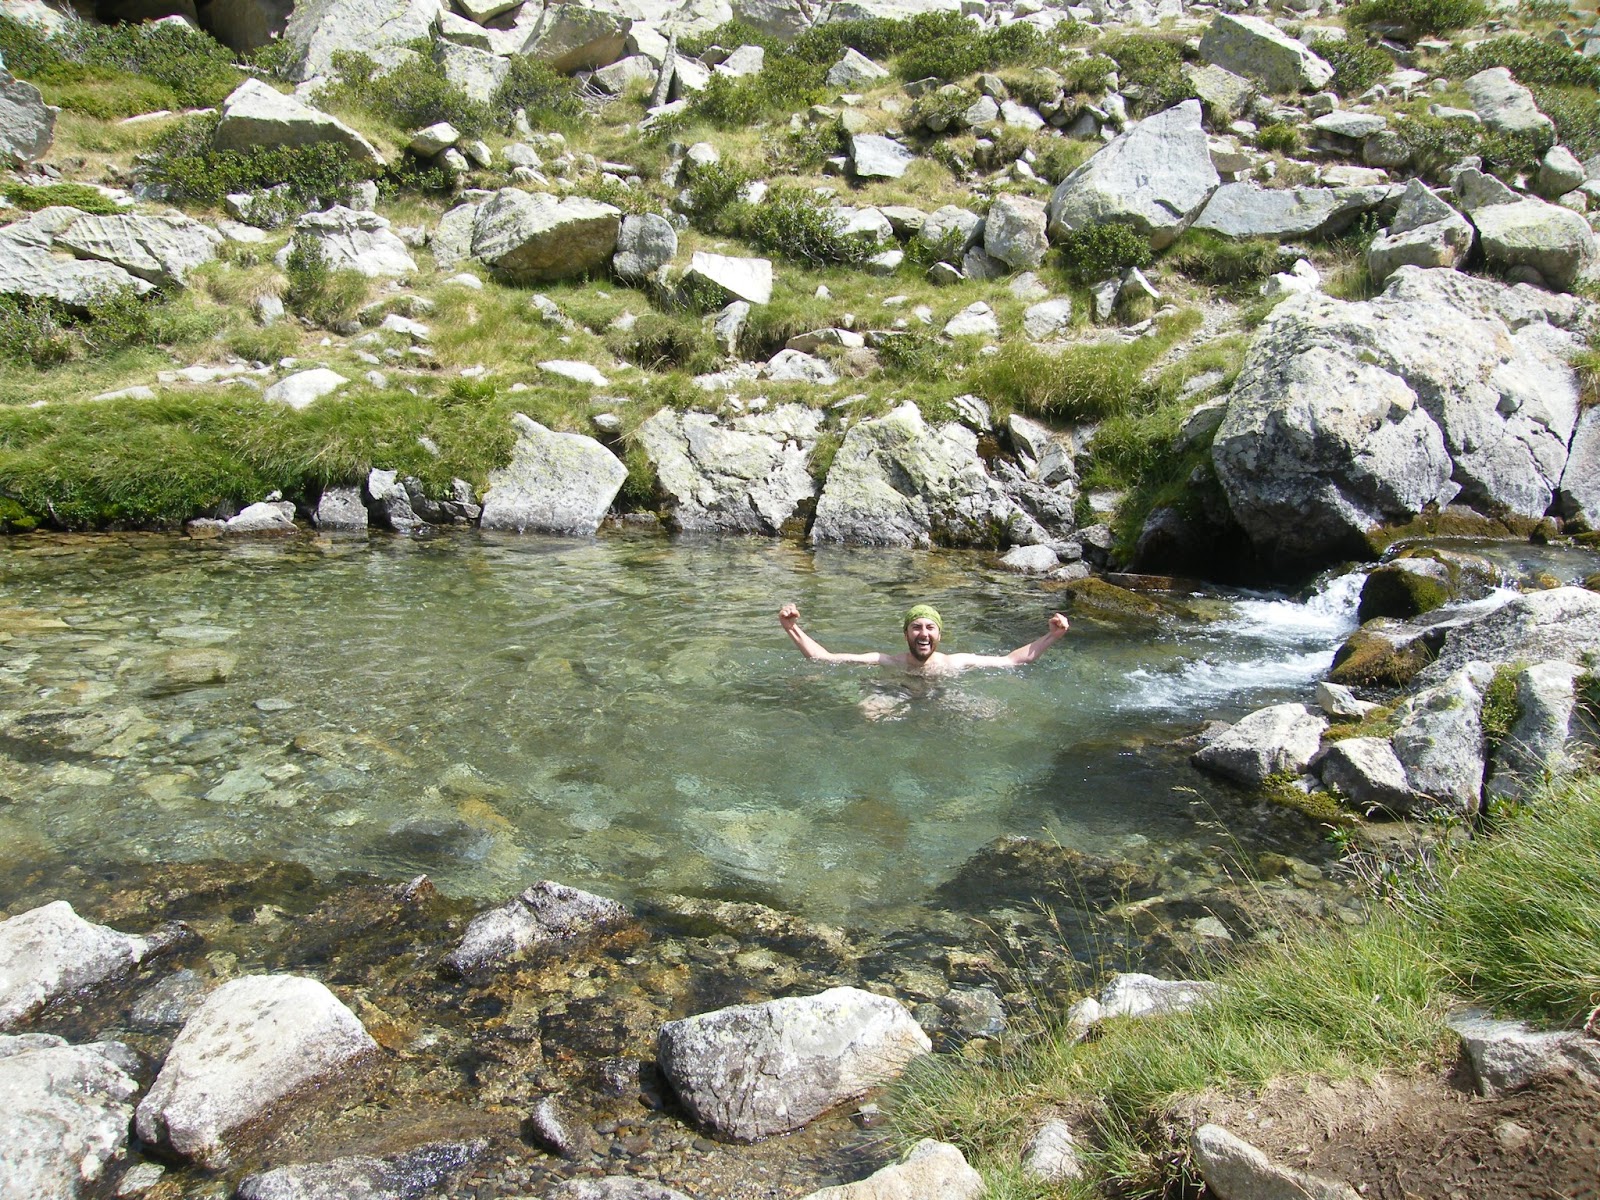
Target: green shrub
1222	262
1149	70
1435	143
414	94
277	59
823	45
35	331
1059	157
940	110
661	342
319	293
1033	88
313	176
1418	18
1083	383
1576	112
914	354
792	223
730	35
547	96
1279	137
31	198
1356	65
1098	251
44	334
712	188
25	48
1087	75
730	103
946	45
810	145
1531	60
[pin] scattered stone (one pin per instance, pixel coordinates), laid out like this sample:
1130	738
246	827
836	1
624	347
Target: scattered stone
1439	741
976	320
1136	995
256	1039
352	239
873	156
1507	1055
1366	772
747	279
930	1171
527	237
755	1070
854	71
1235	1170
299	390
578	372
1257	49
27	123
411	1173
1051	1154
1554	241
644	244
1270	741
1014	231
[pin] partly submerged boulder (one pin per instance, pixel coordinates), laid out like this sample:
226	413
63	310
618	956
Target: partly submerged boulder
65	1116
50	951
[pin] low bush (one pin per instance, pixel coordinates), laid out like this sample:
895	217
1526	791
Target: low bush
1356	65
1033	88
663	341
1576	113
1222	262
1418	18
946	45
1098	251
712	188
25	48
543	93
1436	143
414	94
1280	137
1531	60
913	354
792	223
1149	70
1087	76
1057	158
317	291
312	176
42	333
1083	383
940	110
31	198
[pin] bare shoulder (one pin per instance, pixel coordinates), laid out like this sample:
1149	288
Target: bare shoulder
966	662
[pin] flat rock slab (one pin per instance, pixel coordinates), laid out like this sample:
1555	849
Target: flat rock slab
404	1176
254	1041
873	156
65	1114
159	249
30	265
747	279
931	1171
1235	1170
561	483
755	1070
50	952
545	915
302	388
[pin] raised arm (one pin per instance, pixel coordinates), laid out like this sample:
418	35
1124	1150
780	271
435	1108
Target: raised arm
1022	655
789	618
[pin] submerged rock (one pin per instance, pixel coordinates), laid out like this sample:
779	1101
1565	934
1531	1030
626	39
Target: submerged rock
755	1070
65	1114
402	1176
546	914
50	952
255	1040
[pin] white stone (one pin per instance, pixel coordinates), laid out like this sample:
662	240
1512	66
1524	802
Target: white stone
304	387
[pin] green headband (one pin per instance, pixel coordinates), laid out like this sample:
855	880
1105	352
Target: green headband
919	611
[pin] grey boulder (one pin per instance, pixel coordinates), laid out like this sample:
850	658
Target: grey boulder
755	1070
1547	238
1558	625
1425	232
27	123
873	156
644	244
1366	772
1246	210
1507	1055
1257	49
1440	742
255	1040
1504	105
65	1116
1014	231
1154	178
319	29
1579	495
353	239
545	915
1235	1170
560	483
255	115
50	952
532	236
31	266
931	1170
1536	748
744	474
159	249
1276	740
746	279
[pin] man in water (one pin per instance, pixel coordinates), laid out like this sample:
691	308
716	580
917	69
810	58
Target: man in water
923	629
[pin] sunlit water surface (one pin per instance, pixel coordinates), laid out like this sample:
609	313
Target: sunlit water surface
623	714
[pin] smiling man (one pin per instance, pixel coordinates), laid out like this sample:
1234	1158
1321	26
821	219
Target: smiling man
923	630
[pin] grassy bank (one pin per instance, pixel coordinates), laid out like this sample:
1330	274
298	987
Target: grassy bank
1510	922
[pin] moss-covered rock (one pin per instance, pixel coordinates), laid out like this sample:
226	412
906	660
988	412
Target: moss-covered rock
1096	598
1404	589
1372	658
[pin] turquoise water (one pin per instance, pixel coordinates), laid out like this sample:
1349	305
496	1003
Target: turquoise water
623	714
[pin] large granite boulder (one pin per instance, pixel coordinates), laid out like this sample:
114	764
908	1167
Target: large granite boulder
579	35
744	474
319	29
1365	772
1271	741
897	482
1440	741
1425	232
528	237
874	156
474	72
50	952
255	1040
31	266
1257	49
730	278
354	240
1507	1055
1559	625
1348	416
1505	106
1247	210
1554	241
1536	748
1579	494
408	1174
645	243
1154	178
159	249
255	115
545	915
755	1070
65	1116
561	483
27	123
930	1171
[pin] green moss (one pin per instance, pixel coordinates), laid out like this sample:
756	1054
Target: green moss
1369	659
31	198
1283	789
1394	591
1501	706
1379	723
14	518
1096	598
1453	522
